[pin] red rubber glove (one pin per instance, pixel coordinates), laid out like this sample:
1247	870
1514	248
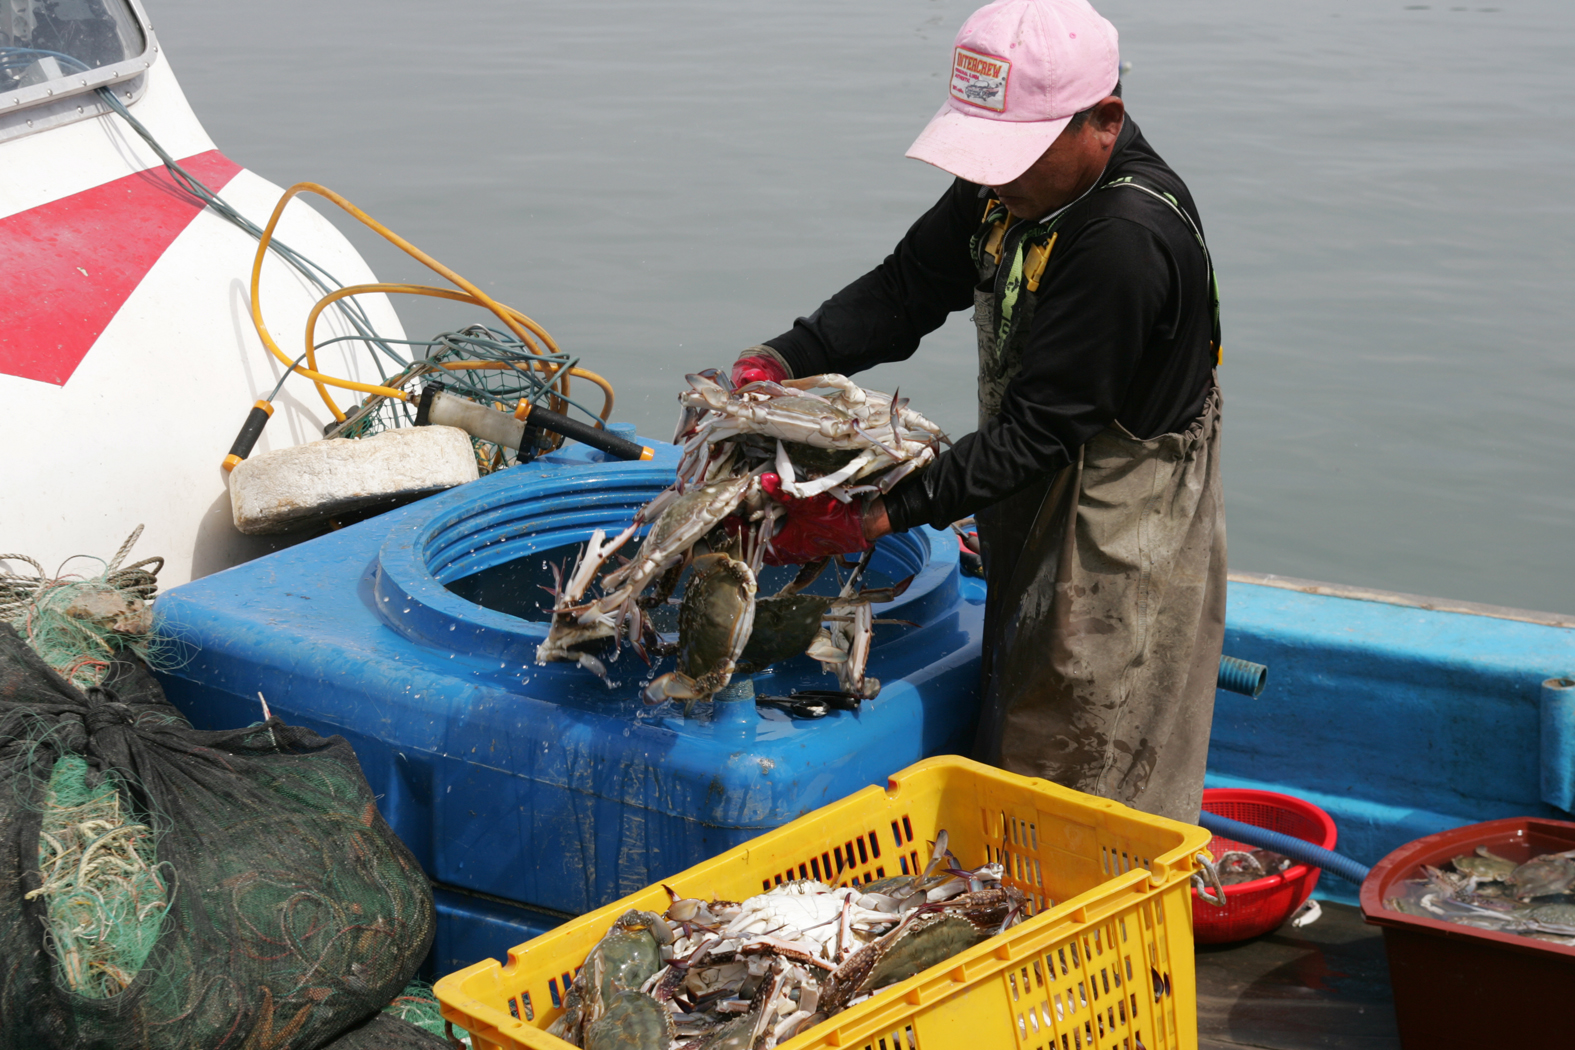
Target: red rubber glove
816	526
757	368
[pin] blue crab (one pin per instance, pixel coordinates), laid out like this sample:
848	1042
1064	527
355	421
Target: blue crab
714	623
1543	876
1485	865
624	959
631	1020
683	520
931	935
823	434
835	630
887	438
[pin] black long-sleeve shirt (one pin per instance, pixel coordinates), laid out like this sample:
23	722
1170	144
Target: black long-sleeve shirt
1121	331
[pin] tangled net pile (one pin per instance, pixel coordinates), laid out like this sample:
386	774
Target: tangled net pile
104	895
79	623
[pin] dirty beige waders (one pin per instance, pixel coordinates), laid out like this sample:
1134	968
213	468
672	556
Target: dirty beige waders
1106	610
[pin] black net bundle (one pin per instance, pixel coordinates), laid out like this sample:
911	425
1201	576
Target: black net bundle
387	1032
289	911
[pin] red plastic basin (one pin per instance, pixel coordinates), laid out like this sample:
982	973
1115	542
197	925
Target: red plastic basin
1254	908
1459	986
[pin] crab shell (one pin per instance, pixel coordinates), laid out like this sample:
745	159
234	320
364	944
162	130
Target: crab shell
916	945
682	523
1485	865
1544	875
911	948
631	1020
630	955
785	626
714	624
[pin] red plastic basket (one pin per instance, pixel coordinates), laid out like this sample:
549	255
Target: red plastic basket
1256	907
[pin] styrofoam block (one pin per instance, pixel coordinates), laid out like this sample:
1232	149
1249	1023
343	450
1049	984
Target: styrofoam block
291	487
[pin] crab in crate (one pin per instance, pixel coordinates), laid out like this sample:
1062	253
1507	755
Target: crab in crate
743	449
750	975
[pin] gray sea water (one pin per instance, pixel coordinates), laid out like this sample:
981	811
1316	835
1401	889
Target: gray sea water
1386	187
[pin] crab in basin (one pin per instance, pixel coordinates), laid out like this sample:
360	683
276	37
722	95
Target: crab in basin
1485	865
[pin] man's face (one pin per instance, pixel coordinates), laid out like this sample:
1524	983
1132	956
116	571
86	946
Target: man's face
1069	167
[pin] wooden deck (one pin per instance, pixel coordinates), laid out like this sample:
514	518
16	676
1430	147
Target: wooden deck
1325	985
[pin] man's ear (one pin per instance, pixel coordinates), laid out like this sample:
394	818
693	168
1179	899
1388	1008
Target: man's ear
1107	116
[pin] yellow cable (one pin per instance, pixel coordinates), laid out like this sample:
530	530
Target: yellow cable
410	289
521	325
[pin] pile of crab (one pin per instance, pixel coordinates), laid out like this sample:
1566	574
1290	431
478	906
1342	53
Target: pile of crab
1535	898
819	435
723	975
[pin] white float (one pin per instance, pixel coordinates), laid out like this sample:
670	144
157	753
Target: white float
134	432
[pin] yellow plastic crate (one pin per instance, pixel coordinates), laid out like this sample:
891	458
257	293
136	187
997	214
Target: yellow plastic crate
1105	963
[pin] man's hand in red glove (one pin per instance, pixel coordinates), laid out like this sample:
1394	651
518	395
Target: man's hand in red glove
815	527
756	366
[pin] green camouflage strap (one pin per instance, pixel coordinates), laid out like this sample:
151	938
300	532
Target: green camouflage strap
1037	234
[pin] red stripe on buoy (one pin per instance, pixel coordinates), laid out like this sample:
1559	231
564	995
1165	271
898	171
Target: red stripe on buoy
72	263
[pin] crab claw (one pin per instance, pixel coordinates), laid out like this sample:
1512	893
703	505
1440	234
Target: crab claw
674	685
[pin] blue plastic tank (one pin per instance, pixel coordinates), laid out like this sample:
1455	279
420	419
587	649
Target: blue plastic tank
413	635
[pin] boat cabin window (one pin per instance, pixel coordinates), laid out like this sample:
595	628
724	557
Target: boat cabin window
55	40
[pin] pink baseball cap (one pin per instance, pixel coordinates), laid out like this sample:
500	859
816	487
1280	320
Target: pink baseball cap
1020	70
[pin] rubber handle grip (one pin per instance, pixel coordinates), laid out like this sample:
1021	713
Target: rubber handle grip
251	430
586	434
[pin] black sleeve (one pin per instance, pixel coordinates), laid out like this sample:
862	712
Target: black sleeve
1092	318
883	315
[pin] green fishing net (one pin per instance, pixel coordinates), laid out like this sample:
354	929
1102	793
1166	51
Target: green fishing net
104	894
167	888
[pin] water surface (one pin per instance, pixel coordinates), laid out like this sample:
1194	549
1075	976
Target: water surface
1384	186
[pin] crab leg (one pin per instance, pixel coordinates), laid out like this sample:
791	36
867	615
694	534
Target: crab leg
785	470
821	484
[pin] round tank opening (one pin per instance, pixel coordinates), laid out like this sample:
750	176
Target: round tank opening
523	587
475	574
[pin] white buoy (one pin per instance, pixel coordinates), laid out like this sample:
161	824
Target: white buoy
127	353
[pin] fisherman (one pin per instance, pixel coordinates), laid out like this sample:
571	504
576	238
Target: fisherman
1094	472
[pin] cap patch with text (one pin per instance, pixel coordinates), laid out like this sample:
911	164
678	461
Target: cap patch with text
979	79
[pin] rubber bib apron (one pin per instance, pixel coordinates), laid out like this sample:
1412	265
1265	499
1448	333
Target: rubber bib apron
1106	607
